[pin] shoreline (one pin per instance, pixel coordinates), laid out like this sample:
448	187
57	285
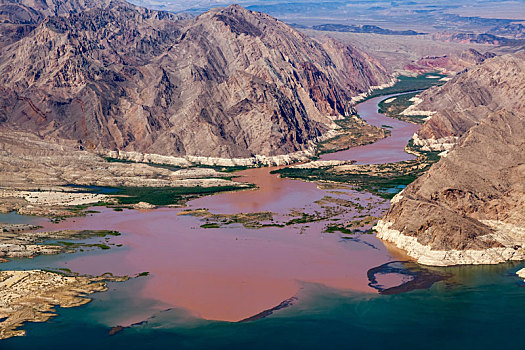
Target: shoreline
305	155
426	256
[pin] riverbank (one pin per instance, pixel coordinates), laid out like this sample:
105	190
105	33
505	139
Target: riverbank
290	221
46	179
397	160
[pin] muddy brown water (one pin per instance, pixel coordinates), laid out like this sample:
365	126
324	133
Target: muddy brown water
232	273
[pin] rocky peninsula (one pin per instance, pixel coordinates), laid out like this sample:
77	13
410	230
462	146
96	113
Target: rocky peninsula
30	296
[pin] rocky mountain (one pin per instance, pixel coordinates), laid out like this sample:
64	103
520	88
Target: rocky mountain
19	17
477	38
362	29
470	97
448	64
33	11
469	208
228	83
513	30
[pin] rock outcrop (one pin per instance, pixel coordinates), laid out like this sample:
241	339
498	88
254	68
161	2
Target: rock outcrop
449	64
31	295
482	38
470	97
521	273
34	172
229	83
469	208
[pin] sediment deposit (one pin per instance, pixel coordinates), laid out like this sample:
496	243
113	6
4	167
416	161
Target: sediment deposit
30	296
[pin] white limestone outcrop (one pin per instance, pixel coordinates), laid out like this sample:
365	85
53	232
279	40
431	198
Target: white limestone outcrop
427	256
442	144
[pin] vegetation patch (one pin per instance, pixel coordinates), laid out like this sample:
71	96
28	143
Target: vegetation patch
211	225
408	83
248	220
353	132
117	160
352	227
168	195
339	201
396	107
306	218
384	180
338	228
224	169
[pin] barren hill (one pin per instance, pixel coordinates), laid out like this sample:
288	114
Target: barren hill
497	83
229	83
469	208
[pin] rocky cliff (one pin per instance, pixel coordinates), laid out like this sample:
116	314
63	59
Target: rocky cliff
468	98
19	17
229	83
469	208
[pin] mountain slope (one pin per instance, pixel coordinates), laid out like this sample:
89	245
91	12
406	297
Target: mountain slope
470	97
469	208
229	83
19	17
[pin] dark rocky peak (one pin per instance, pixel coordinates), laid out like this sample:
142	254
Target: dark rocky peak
476	56
238	24
18	18
120	32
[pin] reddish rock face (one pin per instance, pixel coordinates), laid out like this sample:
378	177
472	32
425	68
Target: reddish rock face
229	83
449	63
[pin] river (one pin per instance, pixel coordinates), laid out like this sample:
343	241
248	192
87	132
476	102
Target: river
203	280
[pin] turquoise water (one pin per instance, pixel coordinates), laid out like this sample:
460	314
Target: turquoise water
480	307
14	218
396	189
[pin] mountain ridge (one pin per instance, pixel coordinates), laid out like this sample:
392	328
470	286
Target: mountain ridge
229	83
468	207
493	84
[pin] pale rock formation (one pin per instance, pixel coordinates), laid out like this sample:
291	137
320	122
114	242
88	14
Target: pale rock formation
425	255
29	296
321	163
521	273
